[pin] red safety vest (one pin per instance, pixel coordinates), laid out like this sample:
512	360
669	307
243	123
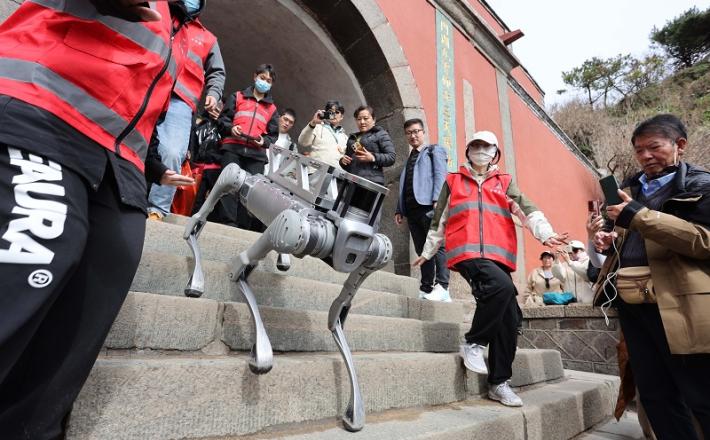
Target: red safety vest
192	78
480	224
253	116
108	78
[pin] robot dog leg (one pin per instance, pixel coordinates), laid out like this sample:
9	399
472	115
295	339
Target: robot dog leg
379	254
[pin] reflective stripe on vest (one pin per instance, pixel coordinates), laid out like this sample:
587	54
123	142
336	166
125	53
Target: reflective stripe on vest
249	114
195	58
489	249
87	105
135	32
474	205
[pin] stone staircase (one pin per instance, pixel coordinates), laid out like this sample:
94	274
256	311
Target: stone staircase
176	367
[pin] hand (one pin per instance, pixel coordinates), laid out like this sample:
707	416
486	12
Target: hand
557	240
364	156
563	255
398	219
595	223
603	240
614	211
131	10
259	142
346	160
237	130
214	113
210	103
317	118
419	261
172	178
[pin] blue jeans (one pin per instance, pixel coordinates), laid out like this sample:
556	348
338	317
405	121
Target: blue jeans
174	136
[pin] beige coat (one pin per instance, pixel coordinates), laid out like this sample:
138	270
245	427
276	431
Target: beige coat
323	143
679	257
535	287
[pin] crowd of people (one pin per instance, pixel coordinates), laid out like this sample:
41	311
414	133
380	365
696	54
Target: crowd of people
73	215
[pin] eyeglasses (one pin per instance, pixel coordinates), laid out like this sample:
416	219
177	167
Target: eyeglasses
415	131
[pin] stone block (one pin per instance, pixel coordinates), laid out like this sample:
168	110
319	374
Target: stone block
543	312
573	324
600	324
572	364
299	330
606	368
164	322
542	324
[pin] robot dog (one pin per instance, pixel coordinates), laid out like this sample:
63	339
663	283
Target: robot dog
310	208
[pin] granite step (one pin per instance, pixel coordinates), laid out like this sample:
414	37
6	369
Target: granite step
149	395
167	274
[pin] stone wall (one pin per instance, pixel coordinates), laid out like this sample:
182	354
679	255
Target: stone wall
578	332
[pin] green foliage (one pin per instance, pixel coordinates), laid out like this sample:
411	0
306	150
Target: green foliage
616	78
686	38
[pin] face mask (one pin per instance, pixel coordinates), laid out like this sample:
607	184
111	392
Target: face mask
261	85
481	156
192	6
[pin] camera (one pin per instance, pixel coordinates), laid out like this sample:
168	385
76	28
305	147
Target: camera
328	114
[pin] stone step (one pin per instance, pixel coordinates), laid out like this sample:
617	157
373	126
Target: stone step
222	243
133	395
167	274
553	411
162	322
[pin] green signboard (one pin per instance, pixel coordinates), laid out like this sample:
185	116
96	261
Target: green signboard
446	87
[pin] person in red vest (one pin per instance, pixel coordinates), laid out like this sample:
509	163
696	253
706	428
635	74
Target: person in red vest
80	94
249	124
474	218
204	69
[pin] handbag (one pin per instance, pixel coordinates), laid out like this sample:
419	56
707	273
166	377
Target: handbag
557	298
635	285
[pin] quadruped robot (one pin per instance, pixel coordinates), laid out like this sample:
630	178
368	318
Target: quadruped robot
310	208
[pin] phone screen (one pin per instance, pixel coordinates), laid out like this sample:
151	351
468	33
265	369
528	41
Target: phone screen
610	188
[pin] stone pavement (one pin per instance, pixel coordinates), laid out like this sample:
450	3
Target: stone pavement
627	428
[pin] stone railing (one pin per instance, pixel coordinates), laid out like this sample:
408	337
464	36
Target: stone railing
578	332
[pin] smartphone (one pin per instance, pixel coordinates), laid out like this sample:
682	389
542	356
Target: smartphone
594	207
610	188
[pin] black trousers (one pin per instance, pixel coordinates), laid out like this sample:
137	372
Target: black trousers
68	255
230	208
495	322
419	223
671	387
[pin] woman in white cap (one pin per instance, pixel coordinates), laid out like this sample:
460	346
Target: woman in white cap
474	214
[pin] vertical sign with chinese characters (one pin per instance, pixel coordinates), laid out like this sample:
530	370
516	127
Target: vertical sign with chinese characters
446	87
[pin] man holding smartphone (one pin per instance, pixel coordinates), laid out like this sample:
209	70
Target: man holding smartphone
659	264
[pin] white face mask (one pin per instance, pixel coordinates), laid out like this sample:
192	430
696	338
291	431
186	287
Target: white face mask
481	156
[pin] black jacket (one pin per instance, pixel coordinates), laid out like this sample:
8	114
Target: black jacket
224	122
377	141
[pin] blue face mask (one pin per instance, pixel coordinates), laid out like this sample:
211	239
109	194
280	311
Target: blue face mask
261	86
192	6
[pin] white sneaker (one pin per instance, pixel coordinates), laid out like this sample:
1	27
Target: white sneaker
422	294
504	394
472	355
438	293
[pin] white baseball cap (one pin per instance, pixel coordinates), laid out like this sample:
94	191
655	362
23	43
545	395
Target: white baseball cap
485	136
576	244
